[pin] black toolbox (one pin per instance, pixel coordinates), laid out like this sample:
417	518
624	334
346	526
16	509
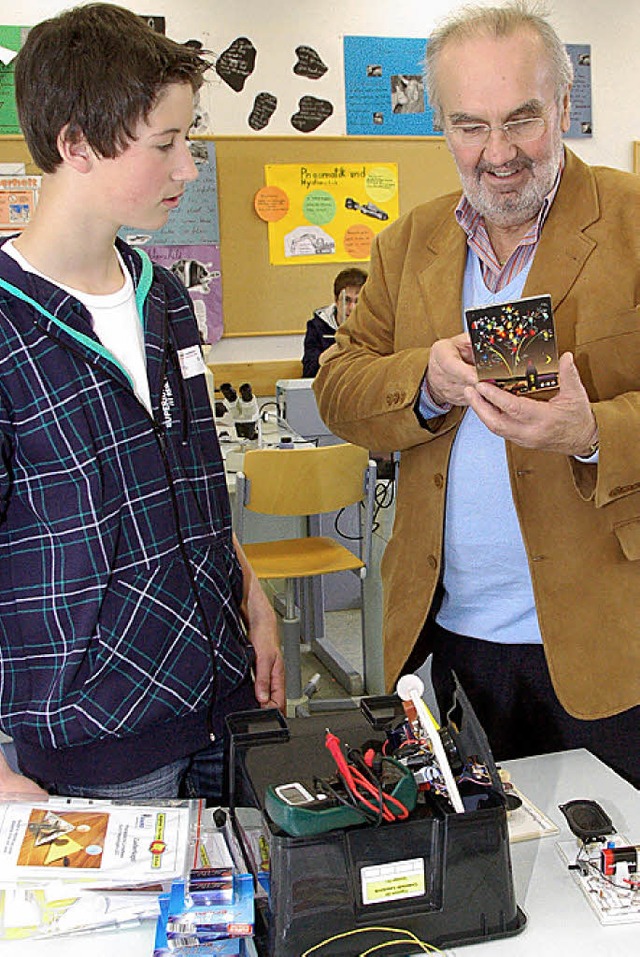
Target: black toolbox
445	877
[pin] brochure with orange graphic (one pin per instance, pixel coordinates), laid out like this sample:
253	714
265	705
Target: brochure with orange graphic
73	839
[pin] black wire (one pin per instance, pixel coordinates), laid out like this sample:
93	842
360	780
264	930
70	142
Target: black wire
327	786
349	538
360	766
381	805
384	497
385	490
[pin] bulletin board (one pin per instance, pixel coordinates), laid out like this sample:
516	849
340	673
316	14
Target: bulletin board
13	149
261	299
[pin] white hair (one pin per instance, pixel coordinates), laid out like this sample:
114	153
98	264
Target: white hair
473	21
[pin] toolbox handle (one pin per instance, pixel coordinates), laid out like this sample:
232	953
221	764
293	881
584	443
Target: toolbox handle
248	729
381	710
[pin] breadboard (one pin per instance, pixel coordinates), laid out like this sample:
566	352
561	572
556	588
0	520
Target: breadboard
610	903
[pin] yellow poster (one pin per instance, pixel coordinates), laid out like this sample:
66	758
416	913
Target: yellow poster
326	212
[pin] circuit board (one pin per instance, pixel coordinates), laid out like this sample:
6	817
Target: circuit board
612	903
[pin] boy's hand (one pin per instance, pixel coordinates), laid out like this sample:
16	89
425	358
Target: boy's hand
262	630
269	683
12	783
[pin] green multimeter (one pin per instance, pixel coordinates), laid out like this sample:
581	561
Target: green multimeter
301	810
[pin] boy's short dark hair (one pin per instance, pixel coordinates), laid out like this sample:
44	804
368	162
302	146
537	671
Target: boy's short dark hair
348	277
99	70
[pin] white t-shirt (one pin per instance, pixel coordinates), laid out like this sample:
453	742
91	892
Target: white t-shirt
115	322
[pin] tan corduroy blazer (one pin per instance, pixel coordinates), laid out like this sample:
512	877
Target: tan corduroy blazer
580	523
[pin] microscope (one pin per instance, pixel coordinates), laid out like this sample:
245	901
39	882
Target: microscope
243	408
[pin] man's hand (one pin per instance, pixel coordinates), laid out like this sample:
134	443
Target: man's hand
12	783
564	424
262	630
451	370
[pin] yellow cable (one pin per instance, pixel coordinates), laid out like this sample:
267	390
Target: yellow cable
424	947
411	938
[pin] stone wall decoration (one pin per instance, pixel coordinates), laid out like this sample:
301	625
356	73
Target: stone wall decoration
311	114
264	107
309	63
237	63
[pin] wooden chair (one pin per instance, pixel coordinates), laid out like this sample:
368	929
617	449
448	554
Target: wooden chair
307	482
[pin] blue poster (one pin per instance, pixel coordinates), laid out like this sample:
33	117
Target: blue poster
385	93
195	221
384	87
581	120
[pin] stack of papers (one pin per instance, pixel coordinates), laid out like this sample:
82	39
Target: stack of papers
65	862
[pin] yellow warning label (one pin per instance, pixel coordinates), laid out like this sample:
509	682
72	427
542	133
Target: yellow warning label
393	882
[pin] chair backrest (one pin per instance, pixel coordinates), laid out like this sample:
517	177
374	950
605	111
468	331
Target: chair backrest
304	481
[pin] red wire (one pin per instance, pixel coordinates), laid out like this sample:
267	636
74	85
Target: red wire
332	743
384	810
353	778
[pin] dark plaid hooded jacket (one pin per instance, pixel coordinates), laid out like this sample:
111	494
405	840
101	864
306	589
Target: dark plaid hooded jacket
120	635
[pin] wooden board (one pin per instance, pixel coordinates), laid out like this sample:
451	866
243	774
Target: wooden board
260	299
262	375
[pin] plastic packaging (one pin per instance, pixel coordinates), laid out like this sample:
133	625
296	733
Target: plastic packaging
65	862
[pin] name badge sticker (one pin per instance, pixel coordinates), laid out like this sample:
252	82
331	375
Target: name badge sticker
191	362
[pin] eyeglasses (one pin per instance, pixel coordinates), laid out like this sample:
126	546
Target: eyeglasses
515	131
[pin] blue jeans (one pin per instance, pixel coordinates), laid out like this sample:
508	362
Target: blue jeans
200	775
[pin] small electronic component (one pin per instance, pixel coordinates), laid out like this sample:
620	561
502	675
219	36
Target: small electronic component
606	868
296	794
622	863
409	689
608	874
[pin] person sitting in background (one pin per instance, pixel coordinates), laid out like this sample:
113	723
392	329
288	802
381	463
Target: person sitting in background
321	328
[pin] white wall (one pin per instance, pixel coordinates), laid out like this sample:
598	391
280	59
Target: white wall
611	27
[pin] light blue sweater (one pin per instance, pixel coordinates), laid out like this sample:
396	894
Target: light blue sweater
487	585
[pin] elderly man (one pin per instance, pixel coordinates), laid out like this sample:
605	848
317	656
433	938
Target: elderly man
515	555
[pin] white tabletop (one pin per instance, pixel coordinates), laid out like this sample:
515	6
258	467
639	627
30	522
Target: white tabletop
560	921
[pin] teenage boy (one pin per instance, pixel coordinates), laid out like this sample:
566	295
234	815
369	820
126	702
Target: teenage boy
322	327
130	621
